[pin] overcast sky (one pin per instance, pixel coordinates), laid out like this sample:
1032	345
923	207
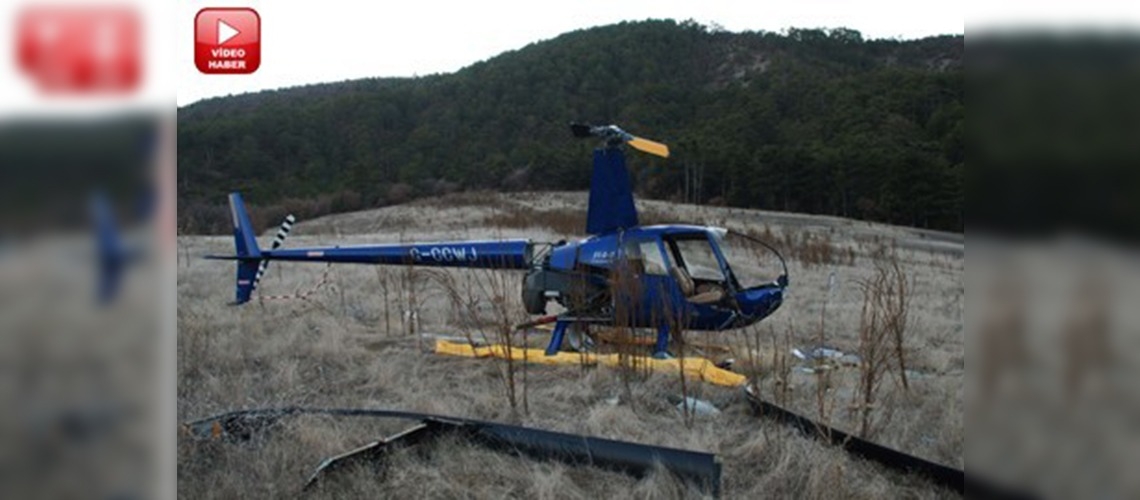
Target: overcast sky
333	40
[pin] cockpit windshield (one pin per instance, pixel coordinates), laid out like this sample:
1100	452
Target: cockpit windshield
699	258
752	263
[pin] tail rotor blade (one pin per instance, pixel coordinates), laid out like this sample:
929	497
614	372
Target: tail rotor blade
648	146
282	232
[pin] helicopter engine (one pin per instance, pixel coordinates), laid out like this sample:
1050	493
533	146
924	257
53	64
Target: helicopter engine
574	290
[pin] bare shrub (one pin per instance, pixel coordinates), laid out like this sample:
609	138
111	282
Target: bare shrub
677	322
383	277
769	351
882	329
488	317
627	296
815	250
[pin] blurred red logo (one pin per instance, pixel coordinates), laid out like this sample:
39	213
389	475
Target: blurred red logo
227	40
80	49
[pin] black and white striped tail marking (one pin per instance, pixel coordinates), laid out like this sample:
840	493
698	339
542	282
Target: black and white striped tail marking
282	232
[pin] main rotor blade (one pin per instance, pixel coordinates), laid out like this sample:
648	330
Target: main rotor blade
648	146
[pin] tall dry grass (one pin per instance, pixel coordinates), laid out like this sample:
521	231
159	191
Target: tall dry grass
356	350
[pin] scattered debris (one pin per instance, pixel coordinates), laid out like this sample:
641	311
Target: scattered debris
698	468
698	407
916	375
824	358
817	353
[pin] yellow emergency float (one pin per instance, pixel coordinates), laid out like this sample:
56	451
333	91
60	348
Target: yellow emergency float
693	367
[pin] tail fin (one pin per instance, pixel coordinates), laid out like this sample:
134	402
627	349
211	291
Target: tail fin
249	255
109	249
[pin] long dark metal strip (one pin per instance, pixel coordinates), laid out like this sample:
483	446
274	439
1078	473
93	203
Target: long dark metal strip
702	469
955	479
377	450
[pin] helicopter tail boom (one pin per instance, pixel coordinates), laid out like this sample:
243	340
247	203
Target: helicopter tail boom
252	260
497	254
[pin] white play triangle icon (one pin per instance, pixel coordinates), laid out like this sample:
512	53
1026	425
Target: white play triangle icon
225	32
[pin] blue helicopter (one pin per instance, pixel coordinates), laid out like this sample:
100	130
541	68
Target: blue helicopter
661	277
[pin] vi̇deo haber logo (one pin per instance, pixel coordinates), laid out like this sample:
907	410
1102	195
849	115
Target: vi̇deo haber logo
227	40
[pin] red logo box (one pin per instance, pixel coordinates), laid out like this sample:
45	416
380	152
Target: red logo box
227	40
80	49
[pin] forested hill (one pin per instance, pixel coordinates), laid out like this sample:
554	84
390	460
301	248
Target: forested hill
817	121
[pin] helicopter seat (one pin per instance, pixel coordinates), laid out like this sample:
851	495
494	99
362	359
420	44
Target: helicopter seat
703	294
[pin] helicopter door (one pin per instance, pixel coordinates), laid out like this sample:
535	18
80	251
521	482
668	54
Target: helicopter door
650	291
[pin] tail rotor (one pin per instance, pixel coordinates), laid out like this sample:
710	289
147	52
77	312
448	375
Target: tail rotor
282	233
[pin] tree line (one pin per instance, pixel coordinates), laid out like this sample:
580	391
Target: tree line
807	120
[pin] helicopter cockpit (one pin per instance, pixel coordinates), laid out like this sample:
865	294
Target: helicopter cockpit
694	265
703	263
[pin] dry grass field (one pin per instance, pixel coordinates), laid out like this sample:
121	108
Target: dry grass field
361	339
80	389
